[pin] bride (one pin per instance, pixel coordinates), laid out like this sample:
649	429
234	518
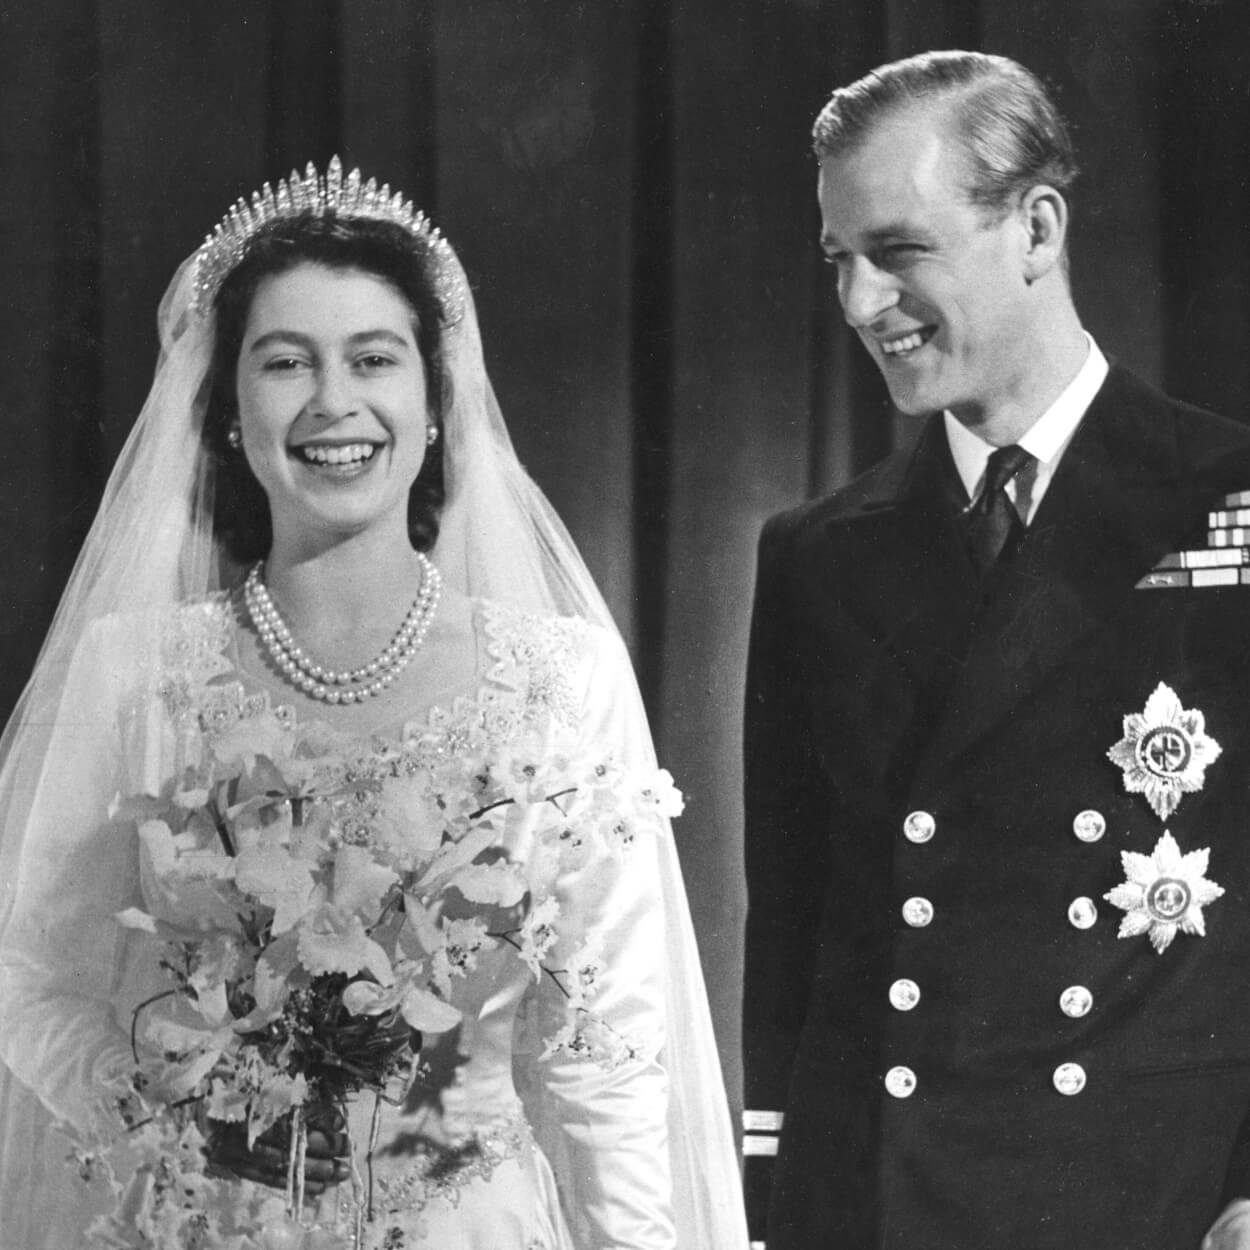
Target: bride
341	907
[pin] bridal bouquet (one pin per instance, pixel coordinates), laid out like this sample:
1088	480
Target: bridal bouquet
311	901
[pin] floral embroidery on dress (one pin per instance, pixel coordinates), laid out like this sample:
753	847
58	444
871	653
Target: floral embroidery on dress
283	860
542	648
441	1171
192	652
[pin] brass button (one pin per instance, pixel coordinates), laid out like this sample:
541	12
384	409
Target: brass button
918	912
904	994
1069	1079
919	827
900	1082
1082	913
1089	825
1076	1001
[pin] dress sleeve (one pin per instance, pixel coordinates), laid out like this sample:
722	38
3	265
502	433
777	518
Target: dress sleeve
61	950
605	1097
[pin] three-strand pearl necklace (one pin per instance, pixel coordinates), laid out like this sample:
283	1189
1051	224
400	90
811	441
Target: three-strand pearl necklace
349	685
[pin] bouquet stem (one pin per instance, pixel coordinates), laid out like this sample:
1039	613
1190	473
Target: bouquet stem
296	1153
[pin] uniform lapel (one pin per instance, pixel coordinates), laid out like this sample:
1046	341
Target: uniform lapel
923	609
905	581
1116	504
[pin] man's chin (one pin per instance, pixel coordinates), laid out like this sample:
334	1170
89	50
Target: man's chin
913	403
909	392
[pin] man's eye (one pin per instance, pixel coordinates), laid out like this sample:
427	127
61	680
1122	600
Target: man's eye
373	360
901	251
282	364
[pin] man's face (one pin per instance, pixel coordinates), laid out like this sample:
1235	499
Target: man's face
934	286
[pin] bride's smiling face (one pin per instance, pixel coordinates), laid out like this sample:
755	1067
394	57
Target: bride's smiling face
332	400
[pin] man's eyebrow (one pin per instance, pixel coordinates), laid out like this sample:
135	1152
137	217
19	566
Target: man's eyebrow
875	237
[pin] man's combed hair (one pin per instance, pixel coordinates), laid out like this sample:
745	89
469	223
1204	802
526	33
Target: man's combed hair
1002	115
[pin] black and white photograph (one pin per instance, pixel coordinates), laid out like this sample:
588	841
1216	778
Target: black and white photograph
626	625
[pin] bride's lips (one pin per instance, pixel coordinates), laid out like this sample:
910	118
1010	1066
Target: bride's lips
338	459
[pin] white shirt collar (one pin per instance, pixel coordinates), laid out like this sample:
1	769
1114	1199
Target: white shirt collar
1046	439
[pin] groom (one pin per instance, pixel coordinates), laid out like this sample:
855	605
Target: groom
998	739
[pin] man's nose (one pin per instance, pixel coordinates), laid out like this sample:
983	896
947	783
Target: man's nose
865	292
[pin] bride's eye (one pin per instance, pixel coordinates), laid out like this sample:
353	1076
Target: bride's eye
282	364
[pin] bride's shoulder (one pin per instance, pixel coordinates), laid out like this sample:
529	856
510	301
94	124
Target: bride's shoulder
568	652
209	613
208	619
187	638
528	637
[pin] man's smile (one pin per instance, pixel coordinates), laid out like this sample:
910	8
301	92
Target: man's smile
904	344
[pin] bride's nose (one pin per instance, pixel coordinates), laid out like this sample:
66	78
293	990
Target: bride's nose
335	393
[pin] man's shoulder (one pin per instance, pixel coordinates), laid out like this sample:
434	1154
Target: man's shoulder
1210	440
1139	419
1196	426
873	490
1203	447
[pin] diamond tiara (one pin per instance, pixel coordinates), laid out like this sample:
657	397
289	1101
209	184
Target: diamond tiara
346	197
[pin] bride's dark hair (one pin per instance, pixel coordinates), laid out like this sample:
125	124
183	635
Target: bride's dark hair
384	249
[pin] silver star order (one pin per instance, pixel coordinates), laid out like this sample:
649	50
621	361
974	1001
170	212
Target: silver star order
1165	892
1164	752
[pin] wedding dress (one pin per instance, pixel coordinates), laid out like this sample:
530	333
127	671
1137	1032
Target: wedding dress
457	1166
519	1133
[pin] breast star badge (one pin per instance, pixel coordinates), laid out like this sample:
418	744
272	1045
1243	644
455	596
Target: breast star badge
1165	892
1164	752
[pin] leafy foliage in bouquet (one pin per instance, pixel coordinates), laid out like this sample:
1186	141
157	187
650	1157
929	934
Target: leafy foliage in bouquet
312	900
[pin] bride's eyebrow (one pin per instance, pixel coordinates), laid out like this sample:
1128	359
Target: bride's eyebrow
274	337
376	336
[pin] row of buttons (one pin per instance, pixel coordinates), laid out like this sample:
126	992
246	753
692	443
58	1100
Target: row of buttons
1067	1078
1076	1001
918	912
919	827
1089	826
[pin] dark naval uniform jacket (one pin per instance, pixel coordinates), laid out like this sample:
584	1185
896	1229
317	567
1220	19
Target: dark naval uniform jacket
966	1052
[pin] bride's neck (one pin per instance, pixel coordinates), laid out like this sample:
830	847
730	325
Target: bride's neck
353	585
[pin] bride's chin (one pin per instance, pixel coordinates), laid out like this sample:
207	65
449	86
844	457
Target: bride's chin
331	526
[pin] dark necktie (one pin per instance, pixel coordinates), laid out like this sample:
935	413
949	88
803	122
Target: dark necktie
993	521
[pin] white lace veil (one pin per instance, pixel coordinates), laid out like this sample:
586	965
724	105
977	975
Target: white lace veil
151	545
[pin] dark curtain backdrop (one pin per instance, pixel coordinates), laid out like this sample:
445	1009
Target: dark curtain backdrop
629	186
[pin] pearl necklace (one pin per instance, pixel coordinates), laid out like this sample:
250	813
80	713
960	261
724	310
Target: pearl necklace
351	685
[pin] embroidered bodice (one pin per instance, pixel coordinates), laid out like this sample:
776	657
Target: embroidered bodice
524	836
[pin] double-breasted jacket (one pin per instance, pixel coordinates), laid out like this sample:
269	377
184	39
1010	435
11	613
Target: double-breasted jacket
938	996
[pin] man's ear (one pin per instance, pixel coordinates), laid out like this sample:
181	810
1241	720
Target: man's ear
1044	214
